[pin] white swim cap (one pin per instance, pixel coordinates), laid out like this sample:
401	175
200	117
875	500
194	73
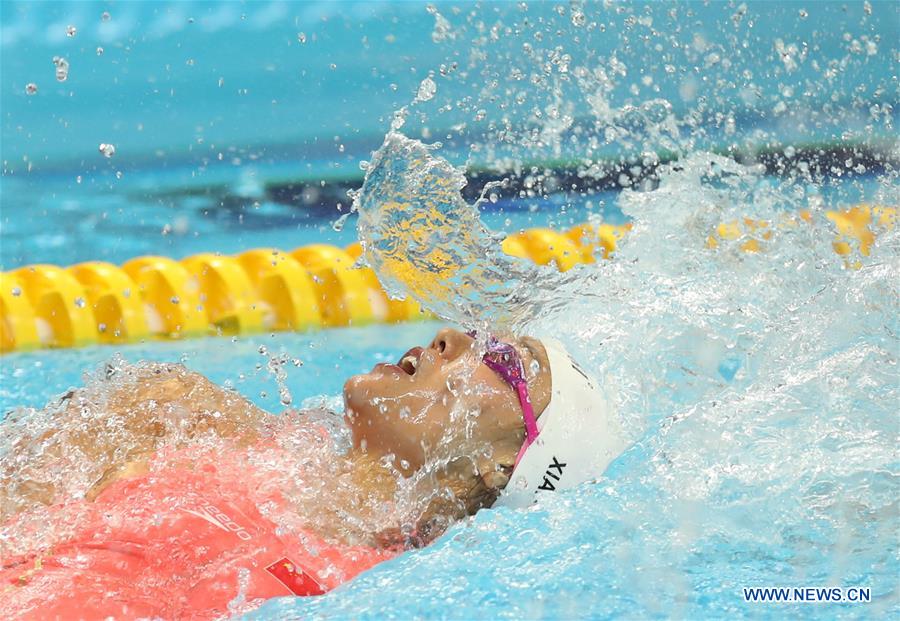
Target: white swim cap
579	435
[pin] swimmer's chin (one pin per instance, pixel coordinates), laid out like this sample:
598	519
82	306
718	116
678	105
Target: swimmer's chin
357	394
354	391
360	390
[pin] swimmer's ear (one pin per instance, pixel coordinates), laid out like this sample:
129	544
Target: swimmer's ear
491	478
496	480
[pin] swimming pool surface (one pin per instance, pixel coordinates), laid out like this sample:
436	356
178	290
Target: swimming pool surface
760	388
751	468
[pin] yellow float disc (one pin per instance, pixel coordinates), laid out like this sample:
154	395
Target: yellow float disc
17	328
343	293
284	287
544	246
115	300
63	316
171	300
226	294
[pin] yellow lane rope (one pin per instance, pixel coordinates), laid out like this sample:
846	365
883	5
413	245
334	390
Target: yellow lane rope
268	290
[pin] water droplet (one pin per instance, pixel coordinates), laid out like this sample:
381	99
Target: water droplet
17	291
99	51
263	350
62	68
297	362
427	89
803	14
174	299
105	16
333	66
338	225
79	302
301	37
71	30
30	88
578	18
108	150
78	179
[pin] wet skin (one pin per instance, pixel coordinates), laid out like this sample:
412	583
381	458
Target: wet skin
442	396
439	398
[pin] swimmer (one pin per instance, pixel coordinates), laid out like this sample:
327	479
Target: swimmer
209	533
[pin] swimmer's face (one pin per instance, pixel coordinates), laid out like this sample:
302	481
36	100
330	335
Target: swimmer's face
440	397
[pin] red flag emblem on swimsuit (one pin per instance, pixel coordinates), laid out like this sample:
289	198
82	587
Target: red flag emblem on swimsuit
298	581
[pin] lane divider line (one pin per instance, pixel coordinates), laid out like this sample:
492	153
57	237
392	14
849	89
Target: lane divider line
269	290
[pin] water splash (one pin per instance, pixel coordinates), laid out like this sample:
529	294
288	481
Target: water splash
53	458
62	68
424	240
427	89
442	27
761	385
760	381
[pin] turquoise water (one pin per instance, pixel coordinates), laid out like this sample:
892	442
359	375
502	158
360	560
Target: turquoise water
765	454
761	390
115	227
178	83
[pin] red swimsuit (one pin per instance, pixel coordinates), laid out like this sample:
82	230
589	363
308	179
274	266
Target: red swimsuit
176	543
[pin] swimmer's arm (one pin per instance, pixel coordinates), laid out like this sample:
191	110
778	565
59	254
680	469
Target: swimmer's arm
124	471
174	406
117	426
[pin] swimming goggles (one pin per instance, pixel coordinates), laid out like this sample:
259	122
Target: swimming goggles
503	359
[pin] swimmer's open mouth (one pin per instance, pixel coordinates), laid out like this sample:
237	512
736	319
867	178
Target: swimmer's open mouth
409	361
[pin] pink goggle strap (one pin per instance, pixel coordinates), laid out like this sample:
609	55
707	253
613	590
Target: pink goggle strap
531	428
503	359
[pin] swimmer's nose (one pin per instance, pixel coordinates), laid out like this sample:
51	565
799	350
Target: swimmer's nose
450	344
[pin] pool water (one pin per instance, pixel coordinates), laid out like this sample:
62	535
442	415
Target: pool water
760	389
762	460
115	226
